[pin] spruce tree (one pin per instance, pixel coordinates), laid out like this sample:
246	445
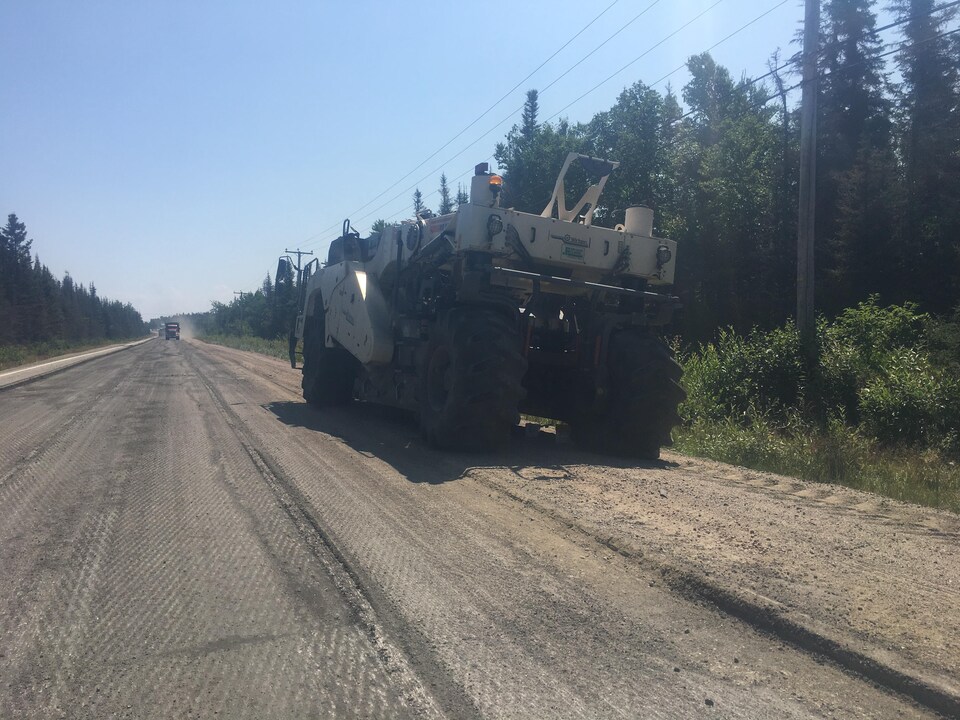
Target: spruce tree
855	160
418	205
929	135
446	204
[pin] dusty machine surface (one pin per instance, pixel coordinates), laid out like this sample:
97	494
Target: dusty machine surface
474	317
171	331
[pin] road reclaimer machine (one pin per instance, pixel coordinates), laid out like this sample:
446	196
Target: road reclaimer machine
473	317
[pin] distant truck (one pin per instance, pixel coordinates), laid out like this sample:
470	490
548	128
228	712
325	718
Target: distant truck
172	331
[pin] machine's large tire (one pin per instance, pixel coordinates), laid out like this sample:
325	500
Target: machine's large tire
644	392
328	373
471	380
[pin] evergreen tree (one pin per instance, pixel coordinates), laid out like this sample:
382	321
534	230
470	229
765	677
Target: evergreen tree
284	300
929	135
532	156
35	307
463	196
531	108
855	163
418	204
13	235
446	204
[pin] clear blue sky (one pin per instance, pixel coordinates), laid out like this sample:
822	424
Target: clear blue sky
170	150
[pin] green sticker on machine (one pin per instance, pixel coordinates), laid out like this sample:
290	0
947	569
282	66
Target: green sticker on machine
571	251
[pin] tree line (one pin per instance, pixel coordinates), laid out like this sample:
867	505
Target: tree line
722	174
720	170
268	312
36	307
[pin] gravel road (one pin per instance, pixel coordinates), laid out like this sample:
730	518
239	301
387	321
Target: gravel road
181	536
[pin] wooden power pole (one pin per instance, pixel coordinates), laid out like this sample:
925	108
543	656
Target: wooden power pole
806	321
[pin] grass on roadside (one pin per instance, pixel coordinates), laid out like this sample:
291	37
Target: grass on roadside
16	355
879	410
273	348
837	454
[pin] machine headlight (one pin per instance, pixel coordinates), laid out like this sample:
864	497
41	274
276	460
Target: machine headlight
494	225
663	255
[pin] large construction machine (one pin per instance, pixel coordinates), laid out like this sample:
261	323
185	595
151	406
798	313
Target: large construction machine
474	317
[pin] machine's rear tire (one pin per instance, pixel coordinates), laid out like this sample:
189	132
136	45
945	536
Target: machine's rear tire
470	381
644	392
328	373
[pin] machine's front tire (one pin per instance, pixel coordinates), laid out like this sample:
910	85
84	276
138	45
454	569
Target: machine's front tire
328	373
644	393
471	380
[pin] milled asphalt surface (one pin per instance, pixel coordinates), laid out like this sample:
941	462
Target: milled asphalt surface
32	371
181	536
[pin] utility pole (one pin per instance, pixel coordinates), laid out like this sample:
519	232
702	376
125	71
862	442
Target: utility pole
808	167
241	309
299	253
292	340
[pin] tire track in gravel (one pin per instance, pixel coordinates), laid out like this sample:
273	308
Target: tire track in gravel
31	439
761	612
35	497
509	692
149	573
230	495
295	505
343	505
703	547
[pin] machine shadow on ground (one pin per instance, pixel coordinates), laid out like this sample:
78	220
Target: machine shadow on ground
392	436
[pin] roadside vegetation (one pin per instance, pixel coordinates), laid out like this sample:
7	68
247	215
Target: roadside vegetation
41	316
16	355
879	410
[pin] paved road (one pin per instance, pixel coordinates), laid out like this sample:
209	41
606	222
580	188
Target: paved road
180	536
16	376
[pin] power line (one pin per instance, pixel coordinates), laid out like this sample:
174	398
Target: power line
489	109
798	57
720	42
681	117
842	68
581	60
513	112
643	54
945	6
761	103
505	119
435	192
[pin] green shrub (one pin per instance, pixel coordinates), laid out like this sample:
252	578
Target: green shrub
879	411
943	341
856	347
738	376
909	403
872	330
